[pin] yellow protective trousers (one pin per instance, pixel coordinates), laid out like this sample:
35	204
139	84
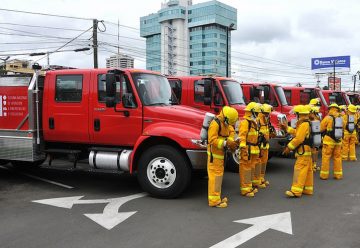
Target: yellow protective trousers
328	152
263	162
303	179
255	170
349	147
245	168
215	174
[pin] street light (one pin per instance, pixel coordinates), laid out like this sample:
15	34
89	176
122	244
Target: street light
231	26
48	53
354	78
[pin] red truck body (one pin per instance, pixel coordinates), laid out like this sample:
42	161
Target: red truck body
338	97
212	93
70	112
303	95
354	98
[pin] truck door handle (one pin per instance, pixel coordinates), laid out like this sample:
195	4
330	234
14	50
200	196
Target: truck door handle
97	125
51	123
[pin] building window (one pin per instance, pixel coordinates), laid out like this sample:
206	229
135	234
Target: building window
68	88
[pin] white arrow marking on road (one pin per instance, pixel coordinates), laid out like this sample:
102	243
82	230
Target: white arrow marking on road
110	216
280	222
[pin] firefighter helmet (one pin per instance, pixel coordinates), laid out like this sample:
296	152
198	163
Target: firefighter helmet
315	102
266	108
251	106
315	109
230	115
352	108
302	109
334	105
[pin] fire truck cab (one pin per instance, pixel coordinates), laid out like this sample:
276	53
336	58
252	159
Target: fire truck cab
338	97
354	98
123	120
303	95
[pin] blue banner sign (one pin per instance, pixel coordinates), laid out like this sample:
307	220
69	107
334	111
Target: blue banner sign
342	63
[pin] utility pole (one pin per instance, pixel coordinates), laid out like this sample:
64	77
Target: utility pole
228	28
95	42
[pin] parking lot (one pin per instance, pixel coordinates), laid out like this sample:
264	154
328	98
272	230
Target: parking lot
109	210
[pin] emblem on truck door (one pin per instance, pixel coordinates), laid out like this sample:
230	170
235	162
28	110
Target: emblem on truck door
99	109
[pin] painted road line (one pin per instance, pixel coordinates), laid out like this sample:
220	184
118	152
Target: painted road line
280	222
39	178
109	218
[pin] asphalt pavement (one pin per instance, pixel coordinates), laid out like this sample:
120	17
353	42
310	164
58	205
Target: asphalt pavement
101	212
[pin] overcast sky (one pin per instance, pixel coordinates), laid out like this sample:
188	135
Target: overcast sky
275	39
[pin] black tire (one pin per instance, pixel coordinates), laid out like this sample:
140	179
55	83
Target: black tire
231	164
26	164
164	157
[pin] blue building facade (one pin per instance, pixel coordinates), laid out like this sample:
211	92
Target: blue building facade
190	39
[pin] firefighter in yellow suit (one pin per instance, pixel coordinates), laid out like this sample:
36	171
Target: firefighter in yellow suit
314	116
358	125
249	149
266	131
349	140
331	147
220	137
303	171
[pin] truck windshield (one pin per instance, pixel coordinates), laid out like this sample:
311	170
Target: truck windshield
153	89
233	92
280	92
354	99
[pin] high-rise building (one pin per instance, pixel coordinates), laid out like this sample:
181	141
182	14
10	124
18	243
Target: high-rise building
183	39
120	61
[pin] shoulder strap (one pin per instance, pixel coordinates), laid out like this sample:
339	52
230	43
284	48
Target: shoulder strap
219	123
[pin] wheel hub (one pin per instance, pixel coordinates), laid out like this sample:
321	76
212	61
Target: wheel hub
161	172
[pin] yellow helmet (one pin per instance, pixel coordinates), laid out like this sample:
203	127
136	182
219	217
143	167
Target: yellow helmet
257	108
334	105
230	115
251	106
266	108
302	109
315	102
342	107
352	108
315	109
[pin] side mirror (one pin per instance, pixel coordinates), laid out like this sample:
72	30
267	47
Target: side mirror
207	92
251	94
110	90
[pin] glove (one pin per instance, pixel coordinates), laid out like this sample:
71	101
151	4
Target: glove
286	151
272	135
231	145
244	154
283	126
314	168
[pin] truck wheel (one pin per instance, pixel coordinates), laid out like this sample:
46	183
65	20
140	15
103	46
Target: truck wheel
26	164
232	162
163	171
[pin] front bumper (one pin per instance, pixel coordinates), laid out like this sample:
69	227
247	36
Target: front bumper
198	158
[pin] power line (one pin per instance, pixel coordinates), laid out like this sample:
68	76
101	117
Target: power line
45	14
38	26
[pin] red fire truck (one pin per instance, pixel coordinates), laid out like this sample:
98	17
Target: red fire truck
303	95
338	97
122	120
212	93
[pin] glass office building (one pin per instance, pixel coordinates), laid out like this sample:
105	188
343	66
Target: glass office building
183	39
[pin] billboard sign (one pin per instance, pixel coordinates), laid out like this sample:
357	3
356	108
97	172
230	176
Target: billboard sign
334	85
326	64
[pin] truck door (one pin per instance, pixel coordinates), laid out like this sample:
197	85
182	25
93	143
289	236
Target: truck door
67	103
120	126
176	87
207	95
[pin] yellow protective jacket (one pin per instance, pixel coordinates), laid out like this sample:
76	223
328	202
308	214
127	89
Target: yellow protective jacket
264	129
301	133
216	139
345	121
326	125
248	134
